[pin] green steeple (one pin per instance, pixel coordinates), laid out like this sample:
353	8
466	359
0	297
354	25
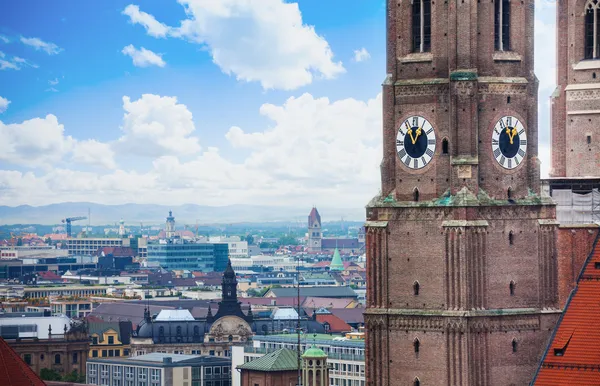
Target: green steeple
336	263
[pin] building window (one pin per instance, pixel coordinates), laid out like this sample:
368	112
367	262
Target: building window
511	288
416	288
27	359
57	359
421	25
417	382
95	353
416	195
111	340
74	357
591	29
445	146
94	340
416	345
514	345
502	25
511	238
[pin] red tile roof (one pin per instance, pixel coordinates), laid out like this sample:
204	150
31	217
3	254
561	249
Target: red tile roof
314	216
573	357
13	370
335	324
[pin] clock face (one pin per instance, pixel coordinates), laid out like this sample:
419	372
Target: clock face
415	142
509	142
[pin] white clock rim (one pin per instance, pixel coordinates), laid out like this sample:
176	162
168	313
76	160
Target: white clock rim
496	136
431	147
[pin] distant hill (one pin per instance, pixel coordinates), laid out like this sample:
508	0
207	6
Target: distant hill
155	214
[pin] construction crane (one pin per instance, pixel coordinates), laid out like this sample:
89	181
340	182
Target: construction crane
69	220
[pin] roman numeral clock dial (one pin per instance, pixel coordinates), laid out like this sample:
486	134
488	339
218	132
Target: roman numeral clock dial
509	142
415	142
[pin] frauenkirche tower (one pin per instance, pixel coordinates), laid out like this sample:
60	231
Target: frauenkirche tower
461	247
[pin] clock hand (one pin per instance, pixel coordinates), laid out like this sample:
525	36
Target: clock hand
417	134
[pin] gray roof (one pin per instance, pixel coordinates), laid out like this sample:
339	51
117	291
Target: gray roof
158	360
318	292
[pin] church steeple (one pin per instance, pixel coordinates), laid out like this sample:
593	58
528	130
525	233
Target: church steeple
229	304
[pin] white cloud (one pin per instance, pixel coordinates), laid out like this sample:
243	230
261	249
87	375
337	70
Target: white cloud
39	44
361	55
92	152
153	27
38	142
155	126
53	82
8	65
313	151
4	39
256	40
3	104
143	57
51	89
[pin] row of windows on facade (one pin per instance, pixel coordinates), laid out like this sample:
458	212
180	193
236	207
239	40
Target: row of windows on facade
117	371
511	288
28	358
110	353
421	25
417	345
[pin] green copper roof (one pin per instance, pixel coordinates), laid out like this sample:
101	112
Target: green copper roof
336	262
314	352
283	359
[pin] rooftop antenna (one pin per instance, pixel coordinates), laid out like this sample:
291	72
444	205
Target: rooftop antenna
298	323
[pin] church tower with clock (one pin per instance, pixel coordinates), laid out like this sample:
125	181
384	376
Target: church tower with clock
461	245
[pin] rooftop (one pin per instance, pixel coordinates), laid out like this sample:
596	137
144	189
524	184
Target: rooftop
572	357
165	360
283	359
174	315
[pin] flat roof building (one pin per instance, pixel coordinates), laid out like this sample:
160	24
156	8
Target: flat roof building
160	369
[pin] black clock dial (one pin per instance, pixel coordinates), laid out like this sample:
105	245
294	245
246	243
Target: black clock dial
415	142
509	142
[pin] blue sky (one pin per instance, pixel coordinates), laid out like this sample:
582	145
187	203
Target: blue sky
196	101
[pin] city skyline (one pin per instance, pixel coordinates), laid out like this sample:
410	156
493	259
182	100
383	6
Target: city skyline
146	103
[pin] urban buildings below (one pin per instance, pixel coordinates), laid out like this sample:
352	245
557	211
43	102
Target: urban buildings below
90	246
159	369
47	342
109	339
279	367
14	370
317	243
71	307
345	356
174	254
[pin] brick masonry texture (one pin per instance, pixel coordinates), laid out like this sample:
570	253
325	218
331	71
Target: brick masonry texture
575	105
458	280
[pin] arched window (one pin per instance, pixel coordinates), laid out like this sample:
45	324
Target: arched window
511	288
514	345
502	25
416	345
417	382
511	238
416	195
416	288
421	25
592	41
445	146
509	193
57	359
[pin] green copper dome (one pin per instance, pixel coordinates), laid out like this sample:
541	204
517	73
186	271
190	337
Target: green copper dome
336	263
314	352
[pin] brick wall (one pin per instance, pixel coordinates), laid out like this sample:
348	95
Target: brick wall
574	245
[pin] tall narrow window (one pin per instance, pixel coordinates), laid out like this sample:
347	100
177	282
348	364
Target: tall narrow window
511	288
592	31
416	345
514	345
421	25
416	195
502	25
416	288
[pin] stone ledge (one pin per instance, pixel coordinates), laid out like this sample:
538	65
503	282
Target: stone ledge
506	56
461	314
419	57
464	161
465	223
421	82
587	64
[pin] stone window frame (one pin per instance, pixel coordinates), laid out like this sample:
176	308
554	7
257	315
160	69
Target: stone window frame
591	8
501	37
421	25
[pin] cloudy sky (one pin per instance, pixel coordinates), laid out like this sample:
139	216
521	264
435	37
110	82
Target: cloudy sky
200	101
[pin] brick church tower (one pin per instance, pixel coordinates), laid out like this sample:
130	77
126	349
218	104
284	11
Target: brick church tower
461	261
576	101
